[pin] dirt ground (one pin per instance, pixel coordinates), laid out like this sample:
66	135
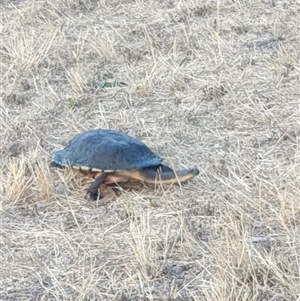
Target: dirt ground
212	84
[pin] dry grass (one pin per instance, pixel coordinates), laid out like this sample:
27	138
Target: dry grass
209	83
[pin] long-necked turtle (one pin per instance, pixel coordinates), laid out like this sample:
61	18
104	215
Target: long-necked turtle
112	157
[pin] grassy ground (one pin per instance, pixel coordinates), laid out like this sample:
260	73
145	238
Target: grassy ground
209	83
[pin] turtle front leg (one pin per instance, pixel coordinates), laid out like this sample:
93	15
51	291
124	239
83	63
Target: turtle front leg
93	190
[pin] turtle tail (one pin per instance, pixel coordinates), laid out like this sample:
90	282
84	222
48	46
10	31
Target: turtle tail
165	175
54	164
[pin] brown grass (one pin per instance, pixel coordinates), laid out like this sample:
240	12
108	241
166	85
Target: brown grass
209	83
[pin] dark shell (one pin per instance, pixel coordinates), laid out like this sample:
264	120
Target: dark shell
106	150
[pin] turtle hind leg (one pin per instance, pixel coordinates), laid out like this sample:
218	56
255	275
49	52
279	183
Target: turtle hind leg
165	175
107	193
93	191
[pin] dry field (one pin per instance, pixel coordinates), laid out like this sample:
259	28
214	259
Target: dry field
207	83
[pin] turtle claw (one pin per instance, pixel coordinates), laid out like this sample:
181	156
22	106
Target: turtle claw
105	194
94	196
94	193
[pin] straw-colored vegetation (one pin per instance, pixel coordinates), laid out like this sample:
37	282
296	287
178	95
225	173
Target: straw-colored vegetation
208	83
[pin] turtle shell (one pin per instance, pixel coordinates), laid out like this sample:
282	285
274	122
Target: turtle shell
106	150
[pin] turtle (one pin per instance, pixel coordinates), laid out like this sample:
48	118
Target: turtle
111	156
